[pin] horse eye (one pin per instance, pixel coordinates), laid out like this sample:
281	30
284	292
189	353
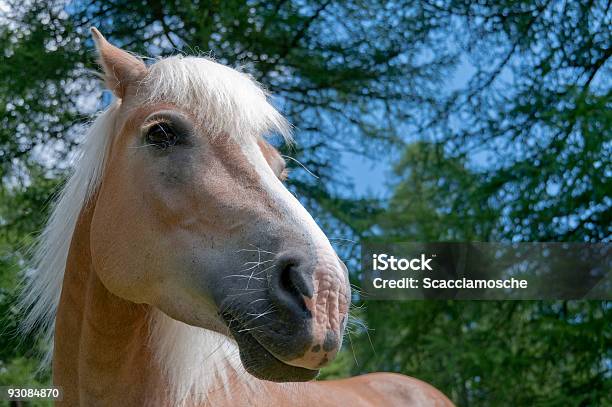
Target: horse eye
161	135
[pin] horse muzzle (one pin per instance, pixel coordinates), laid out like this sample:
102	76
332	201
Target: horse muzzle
302	318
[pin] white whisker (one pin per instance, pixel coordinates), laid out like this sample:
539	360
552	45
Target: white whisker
302	165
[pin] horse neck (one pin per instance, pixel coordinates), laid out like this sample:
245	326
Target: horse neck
103	352
100	339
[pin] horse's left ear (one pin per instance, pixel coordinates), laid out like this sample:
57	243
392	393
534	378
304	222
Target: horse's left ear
274	159
121	69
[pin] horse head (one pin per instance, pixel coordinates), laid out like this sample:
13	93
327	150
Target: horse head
192	217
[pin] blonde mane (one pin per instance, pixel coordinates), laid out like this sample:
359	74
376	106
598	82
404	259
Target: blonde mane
227	103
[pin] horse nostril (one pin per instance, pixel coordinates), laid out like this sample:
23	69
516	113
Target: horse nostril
287	280
290	283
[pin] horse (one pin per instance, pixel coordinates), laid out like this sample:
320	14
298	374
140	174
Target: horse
176	268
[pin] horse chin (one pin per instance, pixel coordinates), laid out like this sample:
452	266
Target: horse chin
262	364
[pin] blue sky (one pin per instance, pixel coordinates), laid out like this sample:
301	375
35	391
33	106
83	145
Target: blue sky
372	176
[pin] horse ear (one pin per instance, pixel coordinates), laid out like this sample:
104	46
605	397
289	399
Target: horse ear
120	67
274	158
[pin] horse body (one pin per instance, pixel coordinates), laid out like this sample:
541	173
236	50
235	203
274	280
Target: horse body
164	298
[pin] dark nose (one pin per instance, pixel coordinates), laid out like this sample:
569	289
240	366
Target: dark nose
289	282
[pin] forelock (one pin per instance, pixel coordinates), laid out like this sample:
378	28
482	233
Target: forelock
222	99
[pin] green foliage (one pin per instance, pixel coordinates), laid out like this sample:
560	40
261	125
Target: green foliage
521	153
22	213
438	198
519	353
534	121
